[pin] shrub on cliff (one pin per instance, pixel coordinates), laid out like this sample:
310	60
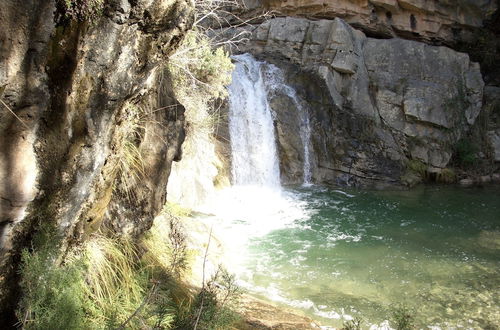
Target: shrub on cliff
198	67
200	74
107	283
465	152
214	306
53	294
80	10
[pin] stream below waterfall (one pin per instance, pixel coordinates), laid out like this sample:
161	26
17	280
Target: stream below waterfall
335	254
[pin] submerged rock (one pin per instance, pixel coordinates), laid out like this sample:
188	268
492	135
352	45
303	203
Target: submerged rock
489	239
466	182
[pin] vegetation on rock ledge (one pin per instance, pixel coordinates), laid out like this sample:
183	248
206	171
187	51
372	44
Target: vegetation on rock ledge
81	10
118	283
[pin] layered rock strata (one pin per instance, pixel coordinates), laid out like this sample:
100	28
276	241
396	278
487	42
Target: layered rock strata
446	21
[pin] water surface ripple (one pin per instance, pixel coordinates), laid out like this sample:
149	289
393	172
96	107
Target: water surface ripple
434	249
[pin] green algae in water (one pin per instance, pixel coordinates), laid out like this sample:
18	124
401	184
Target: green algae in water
434	249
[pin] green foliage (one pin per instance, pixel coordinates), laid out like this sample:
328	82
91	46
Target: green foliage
137	283
109	283
465	153
417	166
214	306
403	318
354	324
447	175
196	64
53	293
200	74
81	10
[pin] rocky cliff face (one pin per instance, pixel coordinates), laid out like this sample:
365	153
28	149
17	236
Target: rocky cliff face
79	101
375	104
492	113
432	21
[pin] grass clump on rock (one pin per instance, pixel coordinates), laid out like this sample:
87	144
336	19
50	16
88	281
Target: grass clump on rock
214	307
81	10
354	324
403	318
121	283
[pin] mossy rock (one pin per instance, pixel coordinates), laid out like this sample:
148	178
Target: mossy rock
411	179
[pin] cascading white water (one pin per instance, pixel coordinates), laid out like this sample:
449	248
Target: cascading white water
253	145
305	135
255	205
275	82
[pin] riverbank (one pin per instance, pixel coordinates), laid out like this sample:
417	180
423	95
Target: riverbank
208	251
259	314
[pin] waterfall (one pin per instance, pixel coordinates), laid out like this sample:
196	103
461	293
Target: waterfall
305	135
251	129
255	205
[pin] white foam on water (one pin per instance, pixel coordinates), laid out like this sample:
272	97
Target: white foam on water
343	237
245	213
344	193
382	326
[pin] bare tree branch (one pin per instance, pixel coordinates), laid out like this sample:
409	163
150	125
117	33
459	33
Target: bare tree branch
14	114
203	280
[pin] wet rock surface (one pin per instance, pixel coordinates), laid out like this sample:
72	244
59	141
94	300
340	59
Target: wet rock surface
263	315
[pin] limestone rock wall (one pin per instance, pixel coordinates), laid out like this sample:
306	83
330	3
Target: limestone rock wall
441	21
375	104
69	94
